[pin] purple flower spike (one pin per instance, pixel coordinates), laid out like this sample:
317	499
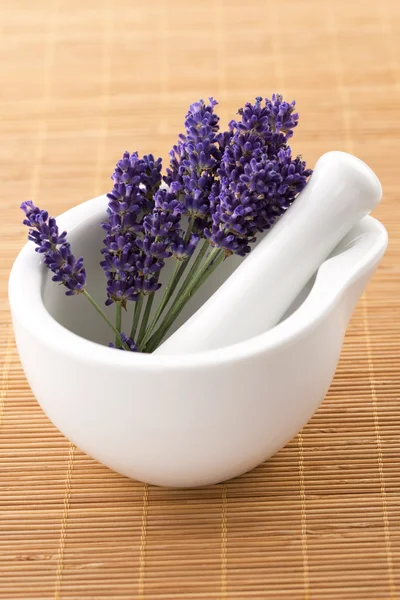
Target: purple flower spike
57	255
124	261
200	122
282	117
161	227
258	178
194	160
152	174
272	122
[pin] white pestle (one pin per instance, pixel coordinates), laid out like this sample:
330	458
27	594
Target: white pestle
341	191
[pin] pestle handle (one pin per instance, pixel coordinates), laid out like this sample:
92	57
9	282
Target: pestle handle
341	191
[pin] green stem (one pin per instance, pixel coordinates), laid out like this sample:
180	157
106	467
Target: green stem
146	315
118	315
220	258
175	278
104	316
169	290
212	261
136	316
196	265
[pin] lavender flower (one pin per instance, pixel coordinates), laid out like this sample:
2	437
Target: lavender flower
194	159
135	182
152	175
273	123
258	179
161	227
56	250
282	117
119	253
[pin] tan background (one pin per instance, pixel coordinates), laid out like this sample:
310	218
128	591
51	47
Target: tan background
81	81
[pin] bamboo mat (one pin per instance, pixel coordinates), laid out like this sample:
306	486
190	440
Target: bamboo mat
81	81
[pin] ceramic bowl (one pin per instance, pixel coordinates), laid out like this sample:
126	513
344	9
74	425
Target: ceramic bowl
182	420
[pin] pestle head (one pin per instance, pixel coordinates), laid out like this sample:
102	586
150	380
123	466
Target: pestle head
352	178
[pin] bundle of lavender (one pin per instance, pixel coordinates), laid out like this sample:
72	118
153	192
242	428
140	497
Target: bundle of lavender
220	191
